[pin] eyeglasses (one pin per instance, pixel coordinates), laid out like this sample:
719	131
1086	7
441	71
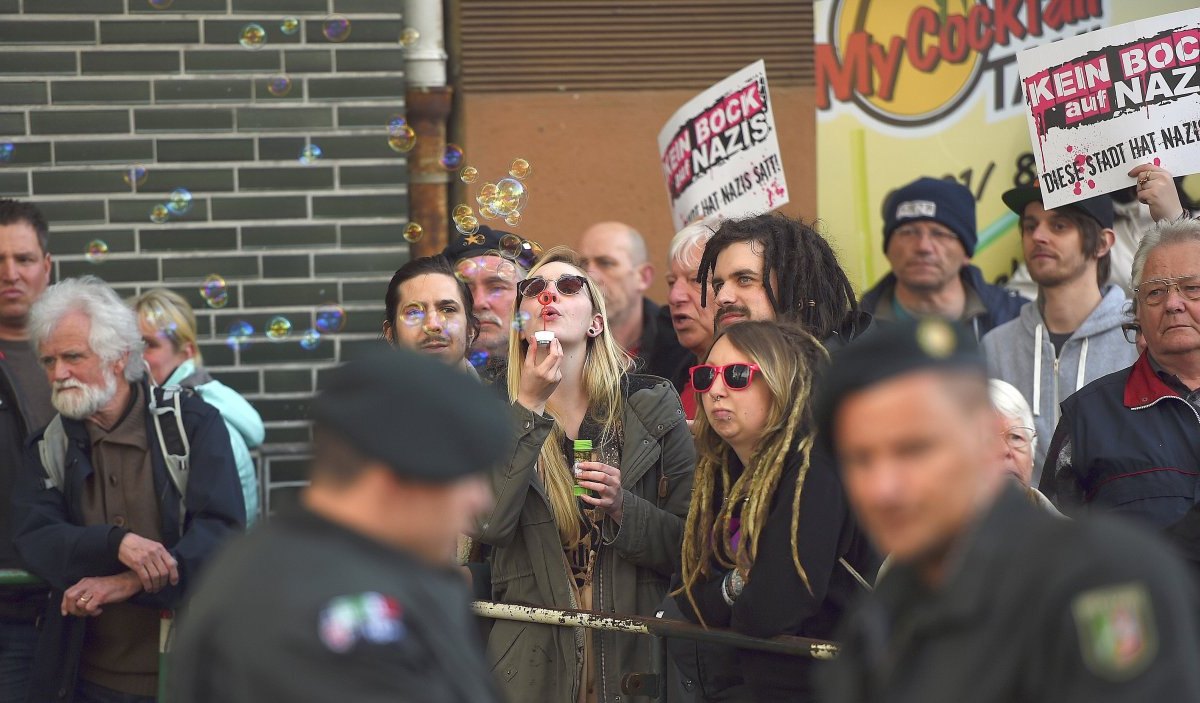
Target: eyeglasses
737	376
1131	330
1155	292
1019	437
567	284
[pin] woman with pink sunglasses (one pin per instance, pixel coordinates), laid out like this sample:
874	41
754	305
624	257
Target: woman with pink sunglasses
770	545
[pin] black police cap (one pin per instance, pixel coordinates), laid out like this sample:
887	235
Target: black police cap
1098	207
465	246
426	420
894	349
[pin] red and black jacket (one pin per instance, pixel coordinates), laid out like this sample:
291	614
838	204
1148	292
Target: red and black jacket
1126	443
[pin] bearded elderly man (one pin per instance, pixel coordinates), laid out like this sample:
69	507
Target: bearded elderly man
1128	442
98	515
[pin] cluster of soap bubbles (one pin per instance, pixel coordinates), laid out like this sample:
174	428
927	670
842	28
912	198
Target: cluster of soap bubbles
336	28
522	252
505	199
215	291
401	137
330	319
179	203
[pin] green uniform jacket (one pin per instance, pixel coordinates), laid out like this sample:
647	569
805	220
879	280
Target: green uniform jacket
304	610
634	563
1037	608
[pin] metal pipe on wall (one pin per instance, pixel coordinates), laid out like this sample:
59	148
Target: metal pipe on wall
427	106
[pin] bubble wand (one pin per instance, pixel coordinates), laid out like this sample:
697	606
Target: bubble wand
543	337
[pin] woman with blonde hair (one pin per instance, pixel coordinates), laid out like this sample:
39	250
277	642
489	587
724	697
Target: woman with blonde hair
770	546
172	355
568	532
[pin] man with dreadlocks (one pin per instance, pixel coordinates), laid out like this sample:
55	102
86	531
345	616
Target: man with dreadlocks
770	546
771	267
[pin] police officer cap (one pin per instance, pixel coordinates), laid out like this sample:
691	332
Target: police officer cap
465	246
428	421
894	349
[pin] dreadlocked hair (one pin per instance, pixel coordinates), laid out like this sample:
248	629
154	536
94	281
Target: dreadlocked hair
604	369
787	356
801	275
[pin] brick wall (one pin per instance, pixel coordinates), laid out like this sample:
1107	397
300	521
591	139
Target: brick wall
89	88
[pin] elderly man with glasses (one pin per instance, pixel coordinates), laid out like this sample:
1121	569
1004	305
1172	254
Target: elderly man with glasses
1129	441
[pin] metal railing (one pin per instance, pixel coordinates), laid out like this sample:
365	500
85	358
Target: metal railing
653	683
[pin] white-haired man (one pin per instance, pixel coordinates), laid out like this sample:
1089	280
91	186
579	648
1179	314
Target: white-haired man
118	531
1127	442
693	322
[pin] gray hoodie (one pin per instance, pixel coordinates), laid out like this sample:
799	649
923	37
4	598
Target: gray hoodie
1020	352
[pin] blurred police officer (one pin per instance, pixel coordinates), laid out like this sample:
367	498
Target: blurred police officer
990	598
353	596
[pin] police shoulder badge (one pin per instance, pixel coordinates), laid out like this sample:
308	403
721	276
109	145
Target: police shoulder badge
1116	629
371	617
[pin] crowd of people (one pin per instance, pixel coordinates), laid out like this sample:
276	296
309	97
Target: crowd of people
926	475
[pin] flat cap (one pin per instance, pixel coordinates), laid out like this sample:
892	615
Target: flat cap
428	421
894	349
465	246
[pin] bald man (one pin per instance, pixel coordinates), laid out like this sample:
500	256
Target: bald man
615	256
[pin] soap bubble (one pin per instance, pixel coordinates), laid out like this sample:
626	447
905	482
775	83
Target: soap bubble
278	328
513	219
159	214
135	175
6	151
520	169
452	157
409	37
161	4
486	212
289	25
311	340
466	270
461	210
180	201
521	322
468	174
402	139
280	85
310	154
213	289
336	28
413	233
511	196
412	317
467	224
96	250
253	36
330	318
487	194
510	246
530	253
239	335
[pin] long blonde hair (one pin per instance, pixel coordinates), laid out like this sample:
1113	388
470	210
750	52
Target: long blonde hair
603	370
787	357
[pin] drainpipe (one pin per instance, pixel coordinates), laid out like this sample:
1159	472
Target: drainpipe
427	106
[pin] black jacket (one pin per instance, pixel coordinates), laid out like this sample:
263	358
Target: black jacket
775	600
55	545
1126	443
1036	608
659	353
1002	304
19	603
271	622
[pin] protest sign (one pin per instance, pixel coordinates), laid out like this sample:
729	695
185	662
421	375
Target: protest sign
720	152
1106	101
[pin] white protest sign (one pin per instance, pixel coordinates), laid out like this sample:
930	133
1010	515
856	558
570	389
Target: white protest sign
720	153
1106	101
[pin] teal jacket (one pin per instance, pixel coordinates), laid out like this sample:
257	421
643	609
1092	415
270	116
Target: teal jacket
246	430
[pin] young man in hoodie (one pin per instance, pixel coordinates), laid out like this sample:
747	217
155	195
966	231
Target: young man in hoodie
929	239
1072	334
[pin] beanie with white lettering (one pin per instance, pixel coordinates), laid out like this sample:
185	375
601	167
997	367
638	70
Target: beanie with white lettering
945	202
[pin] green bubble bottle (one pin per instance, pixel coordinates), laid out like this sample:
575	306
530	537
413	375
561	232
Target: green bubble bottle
583	452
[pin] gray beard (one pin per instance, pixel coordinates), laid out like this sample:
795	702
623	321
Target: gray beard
88	401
